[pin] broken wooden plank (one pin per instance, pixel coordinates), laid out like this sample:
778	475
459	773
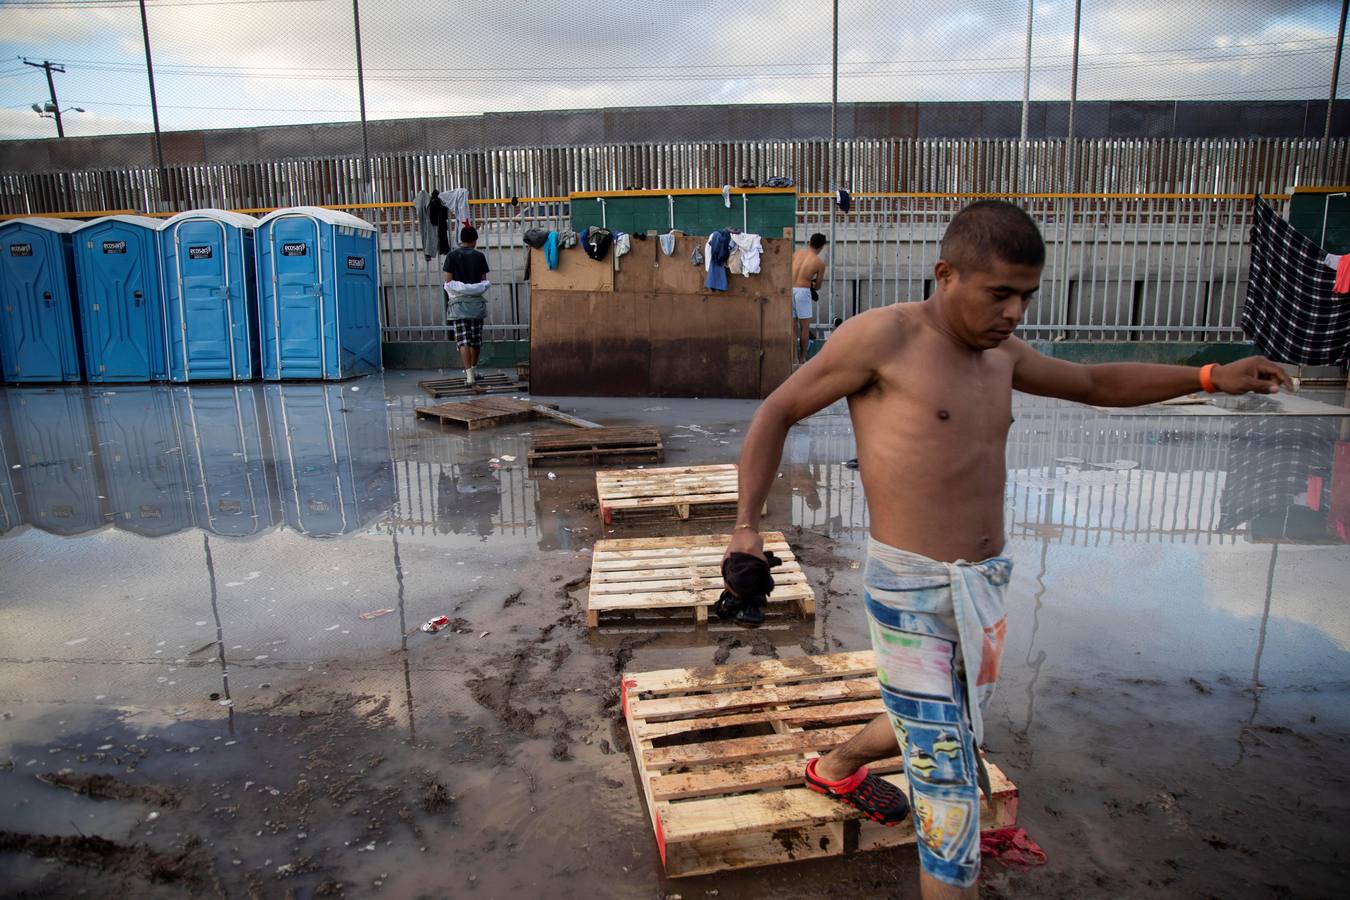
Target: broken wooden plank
485	412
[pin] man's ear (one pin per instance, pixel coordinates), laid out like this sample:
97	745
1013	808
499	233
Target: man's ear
943	273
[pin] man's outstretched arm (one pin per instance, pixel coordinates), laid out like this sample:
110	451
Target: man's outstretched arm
1135	384
846	364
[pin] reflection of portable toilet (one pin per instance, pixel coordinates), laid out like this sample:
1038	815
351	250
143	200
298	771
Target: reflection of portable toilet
334	470
37	285
121	308
319	293
141	458
210	296
10	517
54	445
223	440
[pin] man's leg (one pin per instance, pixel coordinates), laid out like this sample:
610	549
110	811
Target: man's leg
466	356
803	338
876	741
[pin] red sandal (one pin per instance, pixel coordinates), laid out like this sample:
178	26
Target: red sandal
874	797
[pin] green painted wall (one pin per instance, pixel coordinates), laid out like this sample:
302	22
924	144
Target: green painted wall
765	214
1305	214
444	355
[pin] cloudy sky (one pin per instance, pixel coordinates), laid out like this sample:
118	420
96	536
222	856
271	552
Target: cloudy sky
231	63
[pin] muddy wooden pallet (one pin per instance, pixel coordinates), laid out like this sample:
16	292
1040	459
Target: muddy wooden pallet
720	753
486	412
708	491
594	444
458	386
641	575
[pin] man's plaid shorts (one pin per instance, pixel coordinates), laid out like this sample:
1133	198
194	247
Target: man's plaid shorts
467	332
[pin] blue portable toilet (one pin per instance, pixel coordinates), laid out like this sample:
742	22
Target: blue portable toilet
223	441
140	454
38	328
319	292
210	296
121	304
54	445
335	473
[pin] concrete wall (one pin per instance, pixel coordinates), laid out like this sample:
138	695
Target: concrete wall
991	119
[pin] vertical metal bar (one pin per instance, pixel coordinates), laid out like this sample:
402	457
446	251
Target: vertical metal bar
1331	95
831	183
154	111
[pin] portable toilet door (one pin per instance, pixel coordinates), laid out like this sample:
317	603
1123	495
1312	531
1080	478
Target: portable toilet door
121	306
210	296
318	274
38	331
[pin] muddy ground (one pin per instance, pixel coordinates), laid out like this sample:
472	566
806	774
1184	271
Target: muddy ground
1166	743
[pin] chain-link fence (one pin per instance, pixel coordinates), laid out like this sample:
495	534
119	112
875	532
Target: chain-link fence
1134	130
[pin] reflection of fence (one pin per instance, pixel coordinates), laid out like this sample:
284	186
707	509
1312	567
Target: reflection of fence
1075	477
1152	249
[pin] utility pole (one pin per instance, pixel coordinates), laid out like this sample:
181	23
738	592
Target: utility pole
154	113
361	89
50	67
1026	97
1331	97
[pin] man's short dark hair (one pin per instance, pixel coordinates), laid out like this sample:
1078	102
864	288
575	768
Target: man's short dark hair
991	229
817	240
468	235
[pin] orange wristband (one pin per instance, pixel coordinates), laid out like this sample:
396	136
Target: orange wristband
1206	380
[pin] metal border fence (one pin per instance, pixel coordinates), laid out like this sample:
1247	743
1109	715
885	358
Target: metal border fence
1151	245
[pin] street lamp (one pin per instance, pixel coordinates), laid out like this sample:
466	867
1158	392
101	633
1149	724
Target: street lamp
50	110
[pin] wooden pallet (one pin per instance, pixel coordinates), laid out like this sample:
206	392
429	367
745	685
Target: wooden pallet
458	386
721	802
709	490
681	573
595	443
486	412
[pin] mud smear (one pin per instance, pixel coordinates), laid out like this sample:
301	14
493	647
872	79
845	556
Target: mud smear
190	868
108	787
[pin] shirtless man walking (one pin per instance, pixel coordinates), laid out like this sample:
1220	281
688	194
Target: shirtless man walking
929	388
808	272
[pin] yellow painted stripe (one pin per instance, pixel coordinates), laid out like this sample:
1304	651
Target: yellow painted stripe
913	195
677	192
936	195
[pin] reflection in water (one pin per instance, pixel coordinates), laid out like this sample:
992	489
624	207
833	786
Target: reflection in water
141	459
232	460
57	484
331	448
1280	480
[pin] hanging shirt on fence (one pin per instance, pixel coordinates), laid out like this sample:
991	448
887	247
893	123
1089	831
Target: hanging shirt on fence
425	229
1291	313
456	202
716	252
750	247
439	217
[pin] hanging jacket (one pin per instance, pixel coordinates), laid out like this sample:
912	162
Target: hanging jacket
551	250
597	242
439	217
751	248
425	230
717	253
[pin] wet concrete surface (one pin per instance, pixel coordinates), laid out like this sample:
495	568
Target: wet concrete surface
192	700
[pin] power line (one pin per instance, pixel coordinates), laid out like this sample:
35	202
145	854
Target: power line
1225	54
